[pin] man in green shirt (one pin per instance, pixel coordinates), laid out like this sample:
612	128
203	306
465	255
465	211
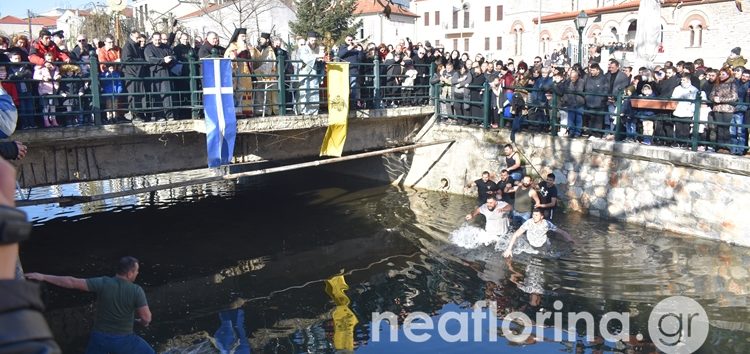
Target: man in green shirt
118	299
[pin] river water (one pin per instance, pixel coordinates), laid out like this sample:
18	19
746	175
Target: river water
257	253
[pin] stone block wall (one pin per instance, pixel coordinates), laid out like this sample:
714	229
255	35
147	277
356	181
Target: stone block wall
700	194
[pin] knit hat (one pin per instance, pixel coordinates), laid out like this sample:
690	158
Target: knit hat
427	44
736	50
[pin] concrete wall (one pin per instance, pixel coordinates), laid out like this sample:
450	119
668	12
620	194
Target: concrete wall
65	155
694	193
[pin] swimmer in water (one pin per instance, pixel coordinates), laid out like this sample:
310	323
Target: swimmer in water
536	230
496	213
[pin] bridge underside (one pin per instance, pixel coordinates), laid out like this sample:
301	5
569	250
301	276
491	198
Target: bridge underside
66	155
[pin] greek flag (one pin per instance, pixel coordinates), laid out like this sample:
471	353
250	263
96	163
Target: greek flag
218	107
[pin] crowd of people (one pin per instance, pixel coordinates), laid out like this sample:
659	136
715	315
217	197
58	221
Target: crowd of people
154	80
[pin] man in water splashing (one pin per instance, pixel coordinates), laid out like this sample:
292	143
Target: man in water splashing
496	213
536	230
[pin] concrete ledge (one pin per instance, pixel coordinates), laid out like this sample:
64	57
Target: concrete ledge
45	136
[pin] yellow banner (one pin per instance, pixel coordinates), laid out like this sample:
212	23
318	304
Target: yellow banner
338	109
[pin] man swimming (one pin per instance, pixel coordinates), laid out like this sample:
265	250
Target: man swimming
536	230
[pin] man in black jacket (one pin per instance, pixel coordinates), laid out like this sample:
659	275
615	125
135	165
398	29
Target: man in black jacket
161	58
617	81
207	49
135	72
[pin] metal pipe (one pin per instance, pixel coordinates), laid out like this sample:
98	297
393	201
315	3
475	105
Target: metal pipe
77	199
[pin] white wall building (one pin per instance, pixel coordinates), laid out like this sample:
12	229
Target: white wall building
691	29
510	29
272	16
497	29
378	28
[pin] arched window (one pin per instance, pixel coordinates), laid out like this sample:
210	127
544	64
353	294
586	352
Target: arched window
695	24
517	32
696	35
632	28
545	40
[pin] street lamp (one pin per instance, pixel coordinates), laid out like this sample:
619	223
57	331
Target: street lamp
580	22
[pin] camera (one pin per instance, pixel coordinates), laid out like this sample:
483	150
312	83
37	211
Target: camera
13	226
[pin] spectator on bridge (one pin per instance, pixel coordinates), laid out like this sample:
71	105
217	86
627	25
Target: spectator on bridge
724	95
394	75
596	88
311	56
541	85
71	88
82	47
211	47
684	110
43	46
616	82
266	84
446	90
20	45
183	52
240	53
160	58
49	76
476	93
58	37
349	52
736	131
735	59
460	82
422	64
20	74
109	57
135	71
572	100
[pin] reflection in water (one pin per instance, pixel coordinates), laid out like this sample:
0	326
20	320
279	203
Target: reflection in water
267	248
344	319
231	337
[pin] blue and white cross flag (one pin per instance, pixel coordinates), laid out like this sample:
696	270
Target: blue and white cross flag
218	108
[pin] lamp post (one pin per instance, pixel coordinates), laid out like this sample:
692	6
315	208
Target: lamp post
580	22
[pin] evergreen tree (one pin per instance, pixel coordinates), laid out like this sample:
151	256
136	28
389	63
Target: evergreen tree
326	16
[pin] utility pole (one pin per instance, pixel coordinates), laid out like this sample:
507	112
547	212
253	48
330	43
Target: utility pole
28	15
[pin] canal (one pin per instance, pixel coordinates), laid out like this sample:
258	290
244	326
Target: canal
264	247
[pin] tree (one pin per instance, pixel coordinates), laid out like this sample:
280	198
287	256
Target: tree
326	16
239	13
98	24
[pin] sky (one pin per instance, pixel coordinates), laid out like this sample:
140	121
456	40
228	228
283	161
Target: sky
18	8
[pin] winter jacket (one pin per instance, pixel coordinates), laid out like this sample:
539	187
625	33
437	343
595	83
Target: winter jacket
111	82
48	85
621	82
571	93
596	89
38	51
684	109
722	94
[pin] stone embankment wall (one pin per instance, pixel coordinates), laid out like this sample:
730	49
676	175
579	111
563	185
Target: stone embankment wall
701	194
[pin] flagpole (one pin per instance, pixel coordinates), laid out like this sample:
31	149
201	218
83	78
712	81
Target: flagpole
77	199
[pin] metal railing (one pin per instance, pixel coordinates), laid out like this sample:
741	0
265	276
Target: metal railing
279	88
698	132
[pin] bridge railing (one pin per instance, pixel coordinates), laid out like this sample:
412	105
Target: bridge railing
629	115
261	88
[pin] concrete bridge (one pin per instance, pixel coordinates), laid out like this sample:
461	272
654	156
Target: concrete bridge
90	153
